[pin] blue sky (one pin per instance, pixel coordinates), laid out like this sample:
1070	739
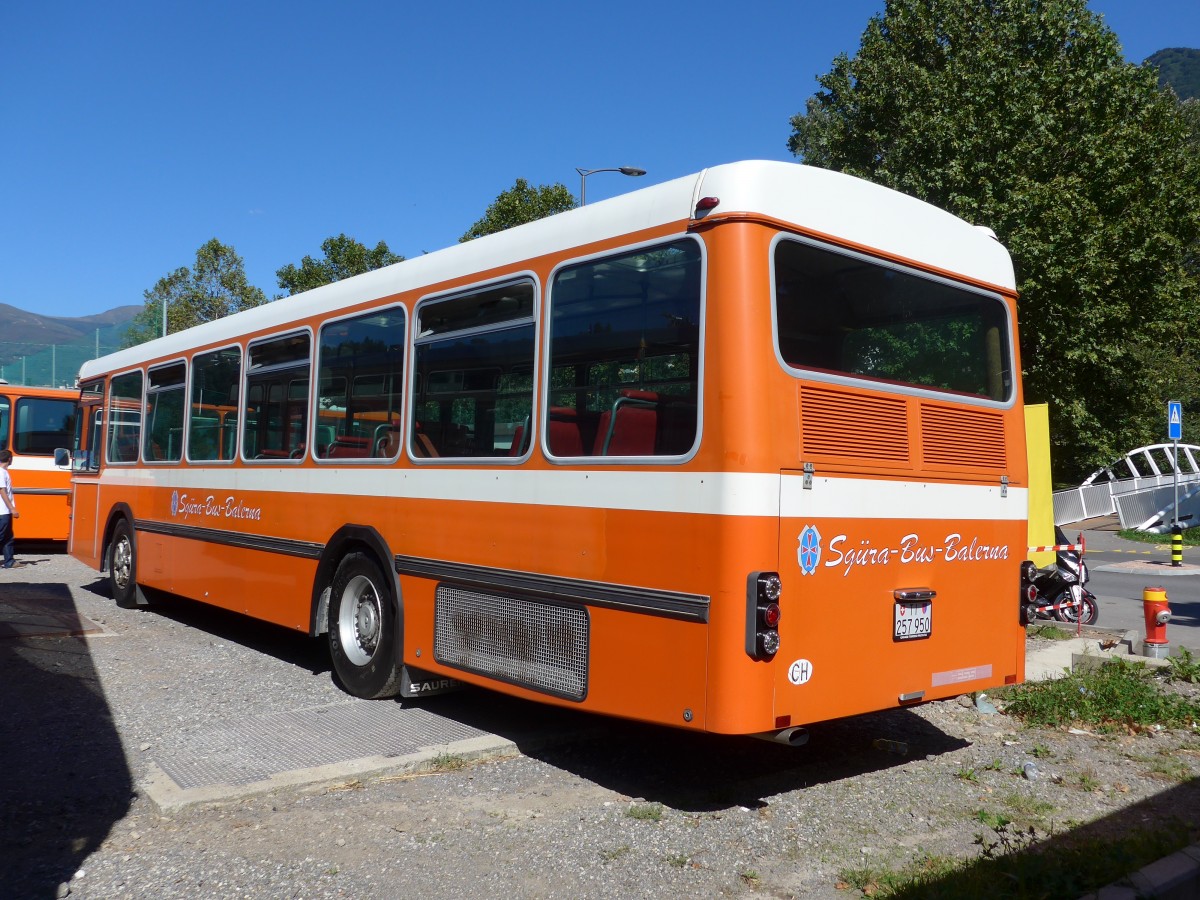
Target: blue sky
134	132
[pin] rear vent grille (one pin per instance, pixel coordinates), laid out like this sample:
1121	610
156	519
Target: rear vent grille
962	438
853	426
540	646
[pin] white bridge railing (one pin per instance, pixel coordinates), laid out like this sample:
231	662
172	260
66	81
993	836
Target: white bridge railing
1139	488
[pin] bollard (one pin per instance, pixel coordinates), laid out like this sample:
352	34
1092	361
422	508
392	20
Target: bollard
1157	615
1177	546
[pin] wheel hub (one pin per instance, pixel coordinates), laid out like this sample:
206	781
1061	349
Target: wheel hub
360	620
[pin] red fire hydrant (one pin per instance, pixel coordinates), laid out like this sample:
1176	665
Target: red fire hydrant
1158	614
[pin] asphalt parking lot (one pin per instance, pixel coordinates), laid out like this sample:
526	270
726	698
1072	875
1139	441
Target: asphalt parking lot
184	752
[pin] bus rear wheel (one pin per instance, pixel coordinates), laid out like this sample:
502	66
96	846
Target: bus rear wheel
122	566
362	630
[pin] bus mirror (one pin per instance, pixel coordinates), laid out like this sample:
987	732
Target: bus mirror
62	457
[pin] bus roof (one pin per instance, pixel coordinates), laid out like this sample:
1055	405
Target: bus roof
827	203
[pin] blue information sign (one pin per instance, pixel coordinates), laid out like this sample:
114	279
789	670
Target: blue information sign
1174	420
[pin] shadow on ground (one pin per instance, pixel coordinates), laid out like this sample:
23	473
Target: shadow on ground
683	769
1076	861
65	779
693	771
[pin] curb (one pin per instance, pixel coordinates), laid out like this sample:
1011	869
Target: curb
168	797
1174	877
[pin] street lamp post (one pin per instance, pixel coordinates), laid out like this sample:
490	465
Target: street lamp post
584	173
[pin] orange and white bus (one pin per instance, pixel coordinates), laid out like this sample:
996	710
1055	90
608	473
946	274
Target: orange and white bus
737	452
34	422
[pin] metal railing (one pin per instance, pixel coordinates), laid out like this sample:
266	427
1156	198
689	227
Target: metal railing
1151	469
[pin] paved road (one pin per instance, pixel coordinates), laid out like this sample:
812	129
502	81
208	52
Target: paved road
1121	570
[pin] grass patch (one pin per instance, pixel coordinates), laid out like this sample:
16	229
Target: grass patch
1184	667
645	812
1028	807
1144	537
448	762
1169	769
921	874
1023	863
991	819
1049	632
1117	696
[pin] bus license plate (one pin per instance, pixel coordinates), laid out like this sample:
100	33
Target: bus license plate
914	620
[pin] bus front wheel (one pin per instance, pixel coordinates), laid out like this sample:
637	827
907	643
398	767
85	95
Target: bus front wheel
122	566
362	630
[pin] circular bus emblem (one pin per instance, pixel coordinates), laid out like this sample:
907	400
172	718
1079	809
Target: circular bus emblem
174	503
809	554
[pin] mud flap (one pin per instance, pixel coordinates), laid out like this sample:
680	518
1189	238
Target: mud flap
416	683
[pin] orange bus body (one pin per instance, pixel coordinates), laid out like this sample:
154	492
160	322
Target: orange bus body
34	422
799	537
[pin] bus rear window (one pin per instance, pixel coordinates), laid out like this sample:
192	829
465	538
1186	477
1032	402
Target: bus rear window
844	314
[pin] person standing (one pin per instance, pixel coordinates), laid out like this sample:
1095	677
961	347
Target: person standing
8	509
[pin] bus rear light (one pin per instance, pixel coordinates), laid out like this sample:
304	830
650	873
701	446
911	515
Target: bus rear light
770	585
704	204
768	643
763	613
1029	592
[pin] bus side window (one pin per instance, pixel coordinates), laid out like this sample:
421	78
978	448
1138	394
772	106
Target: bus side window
125	417
474	373
360	371
277	383
164	413
625	354
212	412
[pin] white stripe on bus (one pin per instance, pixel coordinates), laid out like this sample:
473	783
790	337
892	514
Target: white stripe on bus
22	463
704	493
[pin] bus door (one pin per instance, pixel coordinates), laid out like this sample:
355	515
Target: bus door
85	468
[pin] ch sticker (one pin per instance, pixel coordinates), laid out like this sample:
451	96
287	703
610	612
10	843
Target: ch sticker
800	671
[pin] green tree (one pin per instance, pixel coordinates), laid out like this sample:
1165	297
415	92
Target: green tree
1024	116
344	257
215	287
521	203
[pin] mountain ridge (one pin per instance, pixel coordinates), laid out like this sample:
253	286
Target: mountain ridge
37	349
1179	69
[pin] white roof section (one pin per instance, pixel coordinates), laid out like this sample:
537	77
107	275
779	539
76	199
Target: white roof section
818	200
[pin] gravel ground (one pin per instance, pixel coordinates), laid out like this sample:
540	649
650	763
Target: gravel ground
607	809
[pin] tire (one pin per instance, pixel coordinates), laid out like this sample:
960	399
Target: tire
1086	614
122	566
362	630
